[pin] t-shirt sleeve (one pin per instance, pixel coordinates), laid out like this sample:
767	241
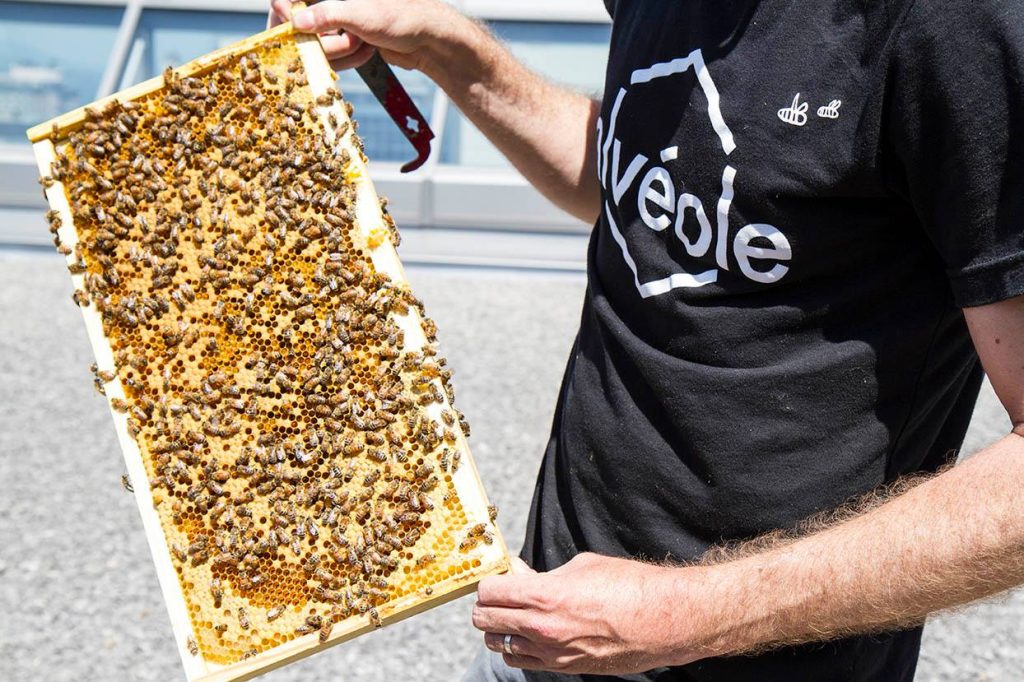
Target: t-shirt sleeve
955	120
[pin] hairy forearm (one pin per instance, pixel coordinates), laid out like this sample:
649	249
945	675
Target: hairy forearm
547	132
951	539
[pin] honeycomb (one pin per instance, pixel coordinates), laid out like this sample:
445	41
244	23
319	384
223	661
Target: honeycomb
300	453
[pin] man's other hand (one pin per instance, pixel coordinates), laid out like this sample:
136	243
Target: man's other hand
595	614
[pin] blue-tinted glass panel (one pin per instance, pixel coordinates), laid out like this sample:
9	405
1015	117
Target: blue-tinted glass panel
573	55
52	59
171	38
174	37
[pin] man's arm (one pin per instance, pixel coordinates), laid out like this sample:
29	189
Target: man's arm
948	540
547	132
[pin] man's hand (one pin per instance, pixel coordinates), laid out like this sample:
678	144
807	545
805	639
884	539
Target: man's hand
404	31
595	614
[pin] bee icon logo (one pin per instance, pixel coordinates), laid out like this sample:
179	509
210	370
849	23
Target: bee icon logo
795	114
830	110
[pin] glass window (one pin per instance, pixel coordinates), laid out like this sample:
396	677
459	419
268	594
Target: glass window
52	59
168	37
171	38
573	55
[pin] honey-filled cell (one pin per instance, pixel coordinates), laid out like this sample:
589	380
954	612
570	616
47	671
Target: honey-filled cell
293	440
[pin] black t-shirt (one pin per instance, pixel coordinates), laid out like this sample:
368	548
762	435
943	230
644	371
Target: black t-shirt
798	197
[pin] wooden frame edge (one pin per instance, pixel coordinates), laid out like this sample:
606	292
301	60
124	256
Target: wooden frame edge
181	625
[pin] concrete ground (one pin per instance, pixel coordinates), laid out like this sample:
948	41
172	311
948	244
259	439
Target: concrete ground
79	595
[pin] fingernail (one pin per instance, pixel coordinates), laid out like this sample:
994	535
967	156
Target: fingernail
303	20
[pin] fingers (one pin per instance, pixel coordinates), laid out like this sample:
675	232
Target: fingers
282	8
514	591
354	60
525	653
338	46
519	645
497	619
280	12
525	662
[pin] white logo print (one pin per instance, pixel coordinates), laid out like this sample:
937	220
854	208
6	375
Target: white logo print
796	114
659	207
830	110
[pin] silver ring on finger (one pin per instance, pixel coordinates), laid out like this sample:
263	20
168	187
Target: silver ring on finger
506	645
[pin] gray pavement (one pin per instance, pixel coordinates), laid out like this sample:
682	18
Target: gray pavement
79	595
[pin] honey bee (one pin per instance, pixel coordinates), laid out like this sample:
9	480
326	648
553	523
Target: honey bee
243	618
126	483
193	648
216	591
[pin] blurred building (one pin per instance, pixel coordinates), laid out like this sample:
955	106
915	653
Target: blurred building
466	206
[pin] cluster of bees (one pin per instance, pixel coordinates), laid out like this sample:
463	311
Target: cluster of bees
300	453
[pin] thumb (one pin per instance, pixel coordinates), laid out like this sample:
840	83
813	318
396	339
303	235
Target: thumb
519	567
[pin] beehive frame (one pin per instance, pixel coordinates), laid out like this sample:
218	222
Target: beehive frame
370	219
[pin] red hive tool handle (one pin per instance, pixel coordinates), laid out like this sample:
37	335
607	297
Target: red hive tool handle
403	111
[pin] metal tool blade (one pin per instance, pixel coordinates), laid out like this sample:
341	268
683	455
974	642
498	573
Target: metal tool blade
403	111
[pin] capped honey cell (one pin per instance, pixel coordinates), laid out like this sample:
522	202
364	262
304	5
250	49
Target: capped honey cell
270	363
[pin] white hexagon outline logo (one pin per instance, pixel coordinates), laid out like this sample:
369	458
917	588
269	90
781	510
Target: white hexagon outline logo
608	162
